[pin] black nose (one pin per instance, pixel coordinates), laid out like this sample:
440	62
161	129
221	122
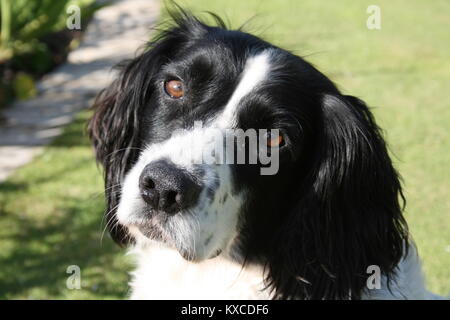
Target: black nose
167	188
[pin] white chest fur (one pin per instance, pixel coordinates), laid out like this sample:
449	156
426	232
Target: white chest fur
163	274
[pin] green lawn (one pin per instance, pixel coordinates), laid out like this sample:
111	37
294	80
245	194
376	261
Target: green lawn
50	218
50	210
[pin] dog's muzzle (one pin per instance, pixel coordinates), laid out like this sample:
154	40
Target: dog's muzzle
168	189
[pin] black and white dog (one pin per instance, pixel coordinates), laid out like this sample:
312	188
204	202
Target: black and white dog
319	226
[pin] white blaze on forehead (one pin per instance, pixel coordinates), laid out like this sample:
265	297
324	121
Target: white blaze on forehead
255	71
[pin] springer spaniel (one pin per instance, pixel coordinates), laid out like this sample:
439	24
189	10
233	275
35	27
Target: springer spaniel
235	169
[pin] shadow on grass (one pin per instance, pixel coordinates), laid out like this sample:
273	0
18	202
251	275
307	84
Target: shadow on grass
51	218
42	254
8	187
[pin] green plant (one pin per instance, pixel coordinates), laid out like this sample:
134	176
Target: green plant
33	39
24	86
6	21
24	22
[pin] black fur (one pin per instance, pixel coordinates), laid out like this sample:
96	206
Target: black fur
334	207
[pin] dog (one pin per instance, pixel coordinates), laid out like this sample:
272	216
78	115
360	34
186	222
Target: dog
325	223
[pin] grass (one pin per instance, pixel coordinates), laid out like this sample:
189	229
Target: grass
50	210
50	218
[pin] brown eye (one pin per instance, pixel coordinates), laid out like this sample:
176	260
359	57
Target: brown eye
174	88
274	140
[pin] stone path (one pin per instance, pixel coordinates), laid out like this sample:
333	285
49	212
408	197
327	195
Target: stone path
115	33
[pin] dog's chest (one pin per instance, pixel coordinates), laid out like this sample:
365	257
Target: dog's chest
163	274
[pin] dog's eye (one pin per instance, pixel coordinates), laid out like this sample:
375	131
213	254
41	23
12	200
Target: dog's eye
274	140
174	88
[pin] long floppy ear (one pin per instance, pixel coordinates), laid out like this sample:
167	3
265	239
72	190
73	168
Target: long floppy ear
114	130
348	216
115	126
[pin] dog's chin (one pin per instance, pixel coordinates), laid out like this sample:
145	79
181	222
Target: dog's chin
157	234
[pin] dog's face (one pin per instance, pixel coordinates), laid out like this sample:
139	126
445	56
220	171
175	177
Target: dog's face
216	142
215	111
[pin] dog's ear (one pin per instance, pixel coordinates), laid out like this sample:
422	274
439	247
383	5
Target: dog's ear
113	130
115	125
349	214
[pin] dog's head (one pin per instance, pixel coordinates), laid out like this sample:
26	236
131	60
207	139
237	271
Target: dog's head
215	142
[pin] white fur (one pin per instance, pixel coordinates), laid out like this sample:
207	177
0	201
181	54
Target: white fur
163	274
256	70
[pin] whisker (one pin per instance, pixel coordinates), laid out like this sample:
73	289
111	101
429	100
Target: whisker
106	215
123	149
98	194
